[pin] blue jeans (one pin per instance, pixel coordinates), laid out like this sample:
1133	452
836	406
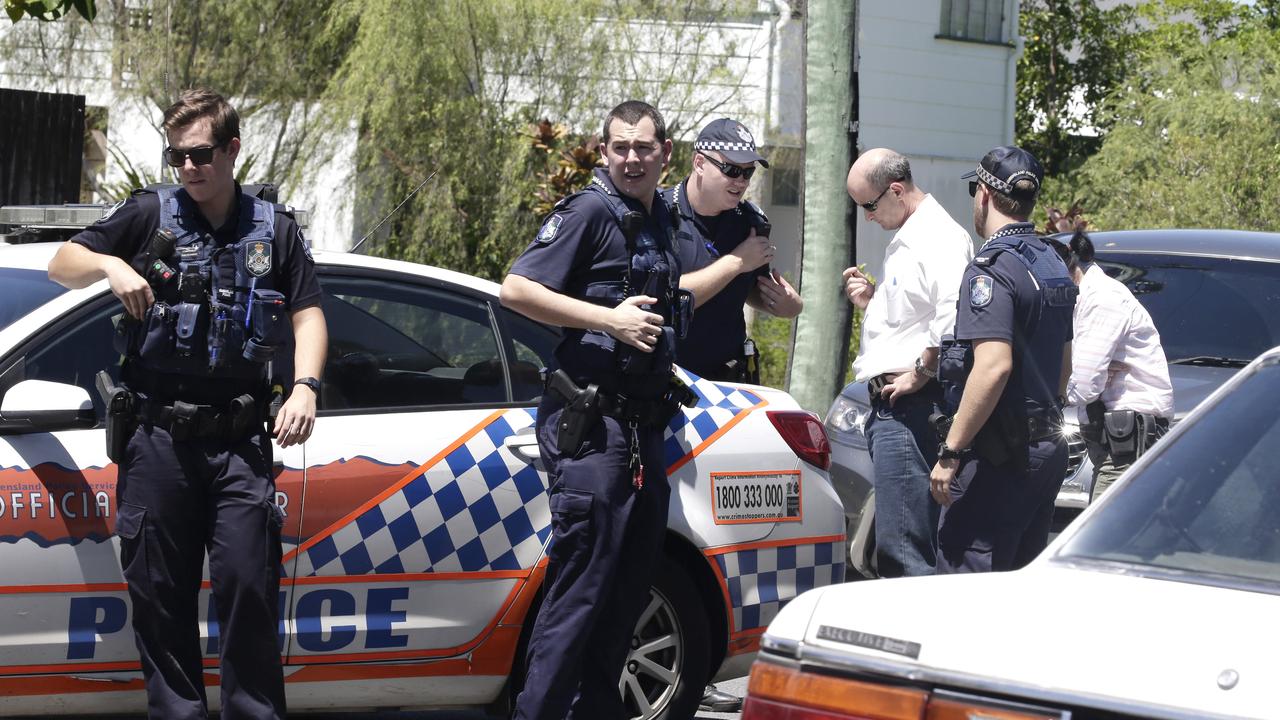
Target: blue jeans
904	448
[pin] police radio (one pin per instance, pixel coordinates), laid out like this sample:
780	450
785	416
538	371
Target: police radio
163	243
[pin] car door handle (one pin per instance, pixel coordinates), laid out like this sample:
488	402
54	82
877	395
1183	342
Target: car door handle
524	445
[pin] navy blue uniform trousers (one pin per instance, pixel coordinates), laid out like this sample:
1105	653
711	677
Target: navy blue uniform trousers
606	538
1000	515
176	500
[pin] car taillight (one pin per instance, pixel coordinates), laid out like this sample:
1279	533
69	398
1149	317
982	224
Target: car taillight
780	693
804	434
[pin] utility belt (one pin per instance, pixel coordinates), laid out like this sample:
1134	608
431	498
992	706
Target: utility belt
743	369
126	409
1127	434
583	407
1006	436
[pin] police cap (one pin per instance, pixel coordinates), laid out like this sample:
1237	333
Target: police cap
1004	166
731	139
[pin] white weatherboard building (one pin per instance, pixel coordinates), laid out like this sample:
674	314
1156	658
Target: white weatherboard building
934	80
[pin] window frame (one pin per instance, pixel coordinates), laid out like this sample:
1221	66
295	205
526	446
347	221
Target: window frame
945	8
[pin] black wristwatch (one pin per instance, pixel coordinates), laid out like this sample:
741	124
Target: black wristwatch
310	382
948	453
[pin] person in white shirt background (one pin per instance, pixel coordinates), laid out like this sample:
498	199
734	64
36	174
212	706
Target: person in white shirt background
898	356
1119	374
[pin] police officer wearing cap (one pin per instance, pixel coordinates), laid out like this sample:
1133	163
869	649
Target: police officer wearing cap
208	277
723	241
1003	456
603	267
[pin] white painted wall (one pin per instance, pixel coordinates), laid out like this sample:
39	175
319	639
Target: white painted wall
943	103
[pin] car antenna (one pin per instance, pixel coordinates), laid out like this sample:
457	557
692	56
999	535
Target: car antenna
383	221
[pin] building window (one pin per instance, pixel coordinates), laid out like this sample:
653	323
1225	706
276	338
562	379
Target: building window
786	173
980	20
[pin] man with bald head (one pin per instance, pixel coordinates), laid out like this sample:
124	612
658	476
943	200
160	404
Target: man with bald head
902	329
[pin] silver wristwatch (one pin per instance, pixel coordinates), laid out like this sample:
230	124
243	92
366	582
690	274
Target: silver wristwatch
920	368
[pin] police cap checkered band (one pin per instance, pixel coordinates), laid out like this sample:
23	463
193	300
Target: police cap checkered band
1003	167
731	139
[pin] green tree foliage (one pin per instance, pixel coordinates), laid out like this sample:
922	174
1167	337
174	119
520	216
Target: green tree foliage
1075	54
1196	130
49	9
456	90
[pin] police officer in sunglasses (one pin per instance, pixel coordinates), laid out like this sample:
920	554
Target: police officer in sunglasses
213	281
725	251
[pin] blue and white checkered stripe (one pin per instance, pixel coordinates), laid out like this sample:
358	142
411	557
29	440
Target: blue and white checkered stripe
479	516
717	405
762	580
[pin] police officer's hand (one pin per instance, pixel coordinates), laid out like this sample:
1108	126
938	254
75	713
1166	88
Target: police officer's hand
940	480
753	252
134	292
904	384
779	297
297	417
858	287
634	325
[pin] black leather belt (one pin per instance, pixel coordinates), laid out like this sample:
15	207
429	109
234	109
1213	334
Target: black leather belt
186	420
1043	428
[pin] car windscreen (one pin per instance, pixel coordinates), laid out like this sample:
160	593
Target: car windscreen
22	291
1208	505
1204	307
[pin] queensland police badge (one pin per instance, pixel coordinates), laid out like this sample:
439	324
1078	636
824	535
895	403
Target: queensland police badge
979	290
257	258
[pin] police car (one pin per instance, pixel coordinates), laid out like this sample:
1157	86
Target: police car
415	516
1174	572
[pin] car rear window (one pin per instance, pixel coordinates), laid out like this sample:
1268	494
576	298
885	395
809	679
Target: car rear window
1204	307
22	291
1208	505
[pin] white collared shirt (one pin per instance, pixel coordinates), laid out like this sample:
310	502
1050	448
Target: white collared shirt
915	302
1117	353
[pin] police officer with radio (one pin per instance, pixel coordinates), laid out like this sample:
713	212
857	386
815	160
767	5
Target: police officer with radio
603	267
1003	374
211	280
725	251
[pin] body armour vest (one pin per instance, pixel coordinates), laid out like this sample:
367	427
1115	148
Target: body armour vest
652	270
1057	295
217	311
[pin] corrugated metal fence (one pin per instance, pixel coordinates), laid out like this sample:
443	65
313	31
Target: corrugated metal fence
41	147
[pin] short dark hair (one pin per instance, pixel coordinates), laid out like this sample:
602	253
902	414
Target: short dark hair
1019	205
199	104
1078	252
630	112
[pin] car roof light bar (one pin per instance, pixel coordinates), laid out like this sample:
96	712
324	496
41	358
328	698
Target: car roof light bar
52	216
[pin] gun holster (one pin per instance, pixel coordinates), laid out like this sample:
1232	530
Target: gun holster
581	411
121	418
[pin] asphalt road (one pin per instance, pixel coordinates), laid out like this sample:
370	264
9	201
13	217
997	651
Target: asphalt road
737	687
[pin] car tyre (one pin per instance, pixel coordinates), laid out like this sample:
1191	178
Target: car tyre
668	666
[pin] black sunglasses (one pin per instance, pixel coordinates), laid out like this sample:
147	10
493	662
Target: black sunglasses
202	155
733	172
871	206
973	188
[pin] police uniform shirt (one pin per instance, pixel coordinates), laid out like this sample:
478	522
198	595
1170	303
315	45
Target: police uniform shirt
127	229
581	243
1002	301
719	326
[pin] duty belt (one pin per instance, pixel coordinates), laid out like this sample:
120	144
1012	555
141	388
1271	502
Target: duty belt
1042	428
186	420
650	413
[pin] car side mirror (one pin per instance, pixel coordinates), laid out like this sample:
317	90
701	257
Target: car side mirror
43	406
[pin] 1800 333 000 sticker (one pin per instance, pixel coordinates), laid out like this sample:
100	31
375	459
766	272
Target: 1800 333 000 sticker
752	497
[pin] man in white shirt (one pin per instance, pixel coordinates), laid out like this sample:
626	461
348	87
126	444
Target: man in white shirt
901	331
1119	375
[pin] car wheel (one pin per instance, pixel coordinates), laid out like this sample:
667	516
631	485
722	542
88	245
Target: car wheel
667	668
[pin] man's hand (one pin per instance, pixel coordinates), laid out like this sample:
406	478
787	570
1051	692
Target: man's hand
779	297
297	417
134	292
940	480
634	325
753	252
904	384
858	287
